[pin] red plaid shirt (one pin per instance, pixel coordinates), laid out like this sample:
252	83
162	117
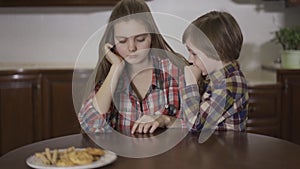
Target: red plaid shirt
162	98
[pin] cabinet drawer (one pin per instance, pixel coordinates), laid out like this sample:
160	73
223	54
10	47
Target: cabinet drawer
264	110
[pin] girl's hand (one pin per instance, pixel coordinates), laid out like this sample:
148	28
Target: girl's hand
192	74
149	123
112	57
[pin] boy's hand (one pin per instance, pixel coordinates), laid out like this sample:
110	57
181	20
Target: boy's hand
149	123
192	74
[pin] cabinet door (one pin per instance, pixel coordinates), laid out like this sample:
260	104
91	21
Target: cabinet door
291	105
22	3
59	113
264	110
292	3
19	110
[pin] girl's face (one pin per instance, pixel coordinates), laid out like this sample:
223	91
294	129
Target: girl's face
199	59
132	41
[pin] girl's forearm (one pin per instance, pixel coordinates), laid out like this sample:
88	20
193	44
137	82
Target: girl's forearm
103	98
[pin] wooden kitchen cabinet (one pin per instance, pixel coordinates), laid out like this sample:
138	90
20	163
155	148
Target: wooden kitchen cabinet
290	103
265	110
36	105
20	109
58	109
22	3
292	3
59	114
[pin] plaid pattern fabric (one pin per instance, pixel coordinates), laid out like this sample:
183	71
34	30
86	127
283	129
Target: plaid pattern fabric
224	104
162	98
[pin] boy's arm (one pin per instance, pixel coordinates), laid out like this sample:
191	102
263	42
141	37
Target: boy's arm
205	113
235	116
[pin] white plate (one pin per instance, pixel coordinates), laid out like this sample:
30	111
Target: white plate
107	158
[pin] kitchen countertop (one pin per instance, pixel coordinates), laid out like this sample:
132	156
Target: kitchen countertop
263	76
42	66
260	77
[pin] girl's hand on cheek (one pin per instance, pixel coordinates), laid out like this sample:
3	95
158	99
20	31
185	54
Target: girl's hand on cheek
112	57
192	74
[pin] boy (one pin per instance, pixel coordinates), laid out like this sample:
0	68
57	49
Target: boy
214	41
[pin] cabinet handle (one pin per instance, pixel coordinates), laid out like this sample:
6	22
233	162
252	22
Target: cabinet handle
252	109
37	86
286	85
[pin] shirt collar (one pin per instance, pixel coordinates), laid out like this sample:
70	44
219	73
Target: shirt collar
157	77
220	75
231	67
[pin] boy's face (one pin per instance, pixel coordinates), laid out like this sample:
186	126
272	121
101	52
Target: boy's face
200	60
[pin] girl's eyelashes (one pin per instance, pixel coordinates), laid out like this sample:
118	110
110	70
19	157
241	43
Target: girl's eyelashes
122	40
140	39
137	39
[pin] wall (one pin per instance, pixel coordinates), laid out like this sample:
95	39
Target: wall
57	34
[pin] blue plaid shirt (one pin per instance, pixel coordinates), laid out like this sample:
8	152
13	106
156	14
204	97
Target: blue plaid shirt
224	104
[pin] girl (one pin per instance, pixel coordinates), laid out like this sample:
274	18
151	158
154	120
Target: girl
137	80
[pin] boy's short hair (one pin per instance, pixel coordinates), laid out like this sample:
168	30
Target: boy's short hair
221	31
